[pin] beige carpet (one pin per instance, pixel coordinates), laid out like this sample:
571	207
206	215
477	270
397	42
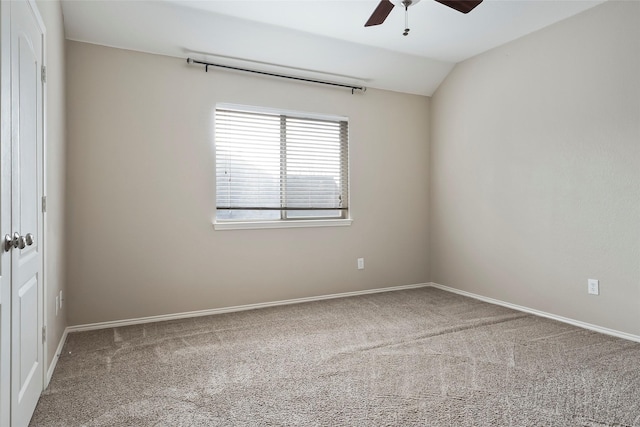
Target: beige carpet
421	357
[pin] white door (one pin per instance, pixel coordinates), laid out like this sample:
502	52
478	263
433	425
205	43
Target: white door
27	365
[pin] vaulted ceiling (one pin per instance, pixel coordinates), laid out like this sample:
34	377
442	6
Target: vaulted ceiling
319	39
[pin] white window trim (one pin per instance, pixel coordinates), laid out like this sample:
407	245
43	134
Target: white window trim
298	223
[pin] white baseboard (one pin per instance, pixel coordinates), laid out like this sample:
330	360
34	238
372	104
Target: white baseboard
161	318
573	322
54	361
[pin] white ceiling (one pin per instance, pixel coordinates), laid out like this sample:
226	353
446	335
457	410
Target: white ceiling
319	39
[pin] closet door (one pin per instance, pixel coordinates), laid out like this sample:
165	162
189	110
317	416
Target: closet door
27	335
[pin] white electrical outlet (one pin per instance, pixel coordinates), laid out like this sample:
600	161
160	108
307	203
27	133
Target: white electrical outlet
61	299
360	263
593	287
57	304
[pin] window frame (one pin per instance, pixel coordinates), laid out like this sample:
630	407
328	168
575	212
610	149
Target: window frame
284	221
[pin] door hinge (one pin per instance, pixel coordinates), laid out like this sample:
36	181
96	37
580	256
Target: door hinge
44	203
44	73
44	334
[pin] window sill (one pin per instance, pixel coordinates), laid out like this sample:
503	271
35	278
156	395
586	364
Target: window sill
254	225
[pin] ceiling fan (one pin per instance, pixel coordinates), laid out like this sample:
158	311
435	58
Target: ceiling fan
385	6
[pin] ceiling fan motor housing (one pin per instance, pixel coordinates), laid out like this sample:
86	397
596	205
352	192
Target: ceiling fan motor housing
405	3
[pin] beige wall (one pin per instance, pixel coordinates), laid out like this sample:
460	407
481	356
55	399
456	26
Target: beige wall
141	192
535	170
55	153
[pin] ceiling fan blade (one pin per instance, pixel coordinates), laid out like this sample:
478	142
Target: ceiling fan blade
464	6
380	14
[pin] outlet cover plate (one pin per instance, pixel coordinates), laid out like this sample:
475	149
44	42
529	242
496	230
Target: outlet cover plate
593	287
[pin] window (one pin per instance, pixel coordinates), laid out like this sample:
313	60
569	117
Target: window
280	166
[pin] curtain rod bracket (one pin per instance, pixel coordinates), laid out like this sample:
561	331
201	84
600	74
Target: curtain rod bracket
283	76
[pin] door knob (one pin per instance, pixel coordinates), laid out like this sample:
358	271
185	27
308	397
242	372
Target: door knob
18	241
12	242
7	244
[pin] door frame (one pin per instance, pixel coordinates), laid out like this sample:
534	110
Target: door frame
43	193
5	206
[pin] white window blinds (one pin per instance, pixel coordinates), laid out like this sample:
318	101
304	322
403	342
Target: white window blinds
279	166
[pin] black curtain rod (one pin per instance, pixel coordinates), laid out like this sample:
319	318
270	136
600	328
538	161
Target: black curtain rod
264	73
